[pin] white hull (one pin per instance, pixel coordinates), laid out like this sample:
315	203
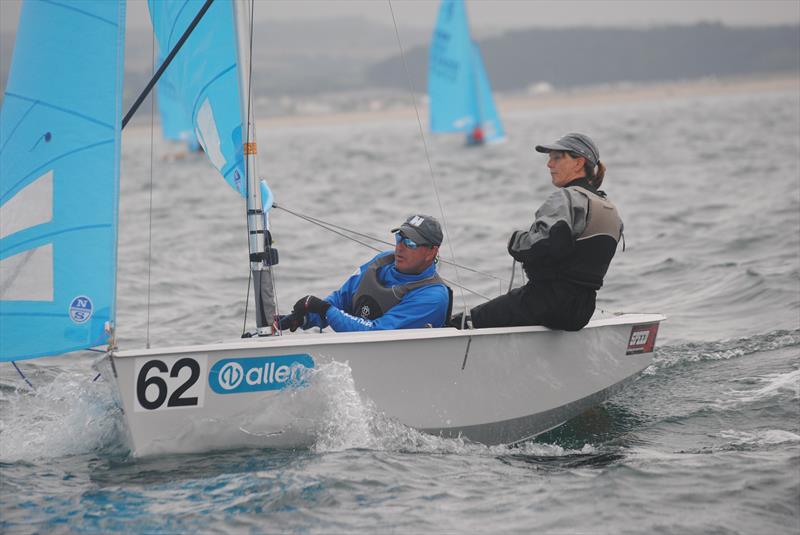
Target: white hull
489	385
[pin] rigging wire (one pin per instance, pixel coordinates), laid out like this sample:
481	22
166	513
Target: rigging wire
330	226
268	245
428	159
333	228
267	242
150	200
250	280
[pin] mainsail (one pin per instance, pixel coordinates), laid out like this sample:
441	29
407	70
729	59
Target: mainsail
59	178
458	88
203	77
176	120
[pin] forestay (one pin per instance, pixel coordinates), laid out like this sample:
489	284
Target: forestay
59	178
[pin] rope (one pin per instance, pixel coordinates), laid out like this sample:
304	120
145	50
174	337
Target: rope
428	158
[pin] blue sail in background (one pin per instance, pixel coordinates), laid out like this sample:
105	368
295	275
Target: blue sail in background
176	121
458	88
490	120
59	178
204	76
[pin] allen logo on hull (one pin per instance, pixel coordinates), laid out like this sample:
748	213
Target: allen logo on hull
253	374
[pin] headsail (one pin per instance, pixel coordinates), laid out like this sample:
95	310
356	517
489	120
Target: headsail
204	78
59	178
458	88
176	121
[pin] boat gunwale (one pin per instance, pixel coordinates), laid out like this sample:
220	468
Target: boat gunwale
334	338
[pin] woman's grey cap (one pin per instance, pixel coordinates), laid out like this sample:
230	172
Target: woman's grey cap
574	142
423	229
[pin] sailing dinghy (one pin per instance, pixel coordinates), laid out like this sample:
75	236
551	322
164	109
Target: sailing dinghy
458	88
60	148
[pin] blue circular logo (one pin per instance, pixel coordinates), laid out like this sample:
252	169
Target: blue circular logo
80	309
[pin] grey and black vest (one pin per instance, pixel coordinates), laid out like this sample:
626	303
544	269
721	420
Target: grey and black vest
372	300
596	245
593	250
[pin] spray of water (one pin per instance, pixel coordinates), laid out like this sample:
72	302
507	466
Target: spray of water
69	415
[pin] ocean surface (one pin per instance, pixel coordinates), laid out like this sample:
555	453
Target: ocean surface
706	441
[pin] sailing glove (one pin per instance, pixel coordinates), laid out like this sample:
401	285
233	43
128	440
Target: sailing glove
311	303
290	321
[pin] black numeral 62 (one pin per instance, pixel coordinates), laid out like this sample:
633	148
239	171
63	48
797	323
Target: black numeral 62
175	400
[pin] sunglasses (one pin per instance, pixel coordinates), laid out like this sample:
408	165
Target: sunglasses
408	242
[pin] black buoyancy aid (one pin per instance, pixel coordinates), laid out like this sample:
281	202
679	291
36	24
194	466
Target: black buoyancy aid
596	245
372	300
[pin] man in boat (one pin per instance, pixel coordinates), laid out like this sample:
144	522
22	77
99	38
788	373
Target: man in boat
567	250
394	290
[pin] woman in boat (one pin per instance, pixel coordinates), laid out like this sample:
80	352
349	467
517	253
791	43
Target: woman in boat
399	290
567	250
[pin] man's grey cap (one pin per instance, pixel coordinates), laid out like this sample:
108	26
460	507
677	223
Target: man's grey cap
578	143
423	229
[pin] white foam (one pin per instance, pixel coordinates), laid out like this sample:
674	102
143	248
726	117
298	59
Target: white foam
69	416
347	420
772	385
759	438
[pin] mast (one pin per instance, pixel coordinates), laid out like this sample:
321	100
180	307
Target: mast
259	236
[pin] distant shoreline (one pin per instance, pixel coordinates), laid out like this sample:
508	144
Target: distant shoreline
593	96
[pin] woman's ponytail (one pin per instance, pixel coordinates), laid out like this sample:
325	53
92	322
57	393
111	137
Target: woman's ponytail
595	178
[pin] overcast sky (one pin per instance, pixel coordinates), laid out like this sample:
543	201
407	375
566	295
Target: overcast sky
492	15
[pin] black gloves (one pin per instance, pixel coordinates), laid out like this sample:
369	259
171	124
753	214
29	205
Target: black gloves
297	318
456	321
311	303
289	321
511	241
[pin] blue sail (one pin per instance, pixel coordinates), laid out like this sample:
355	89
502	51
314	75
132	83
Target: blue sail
451	90
176	121
59	178
204	76
458	89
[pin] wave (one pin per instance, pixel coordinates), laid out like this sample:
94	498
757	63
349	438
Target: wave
680	354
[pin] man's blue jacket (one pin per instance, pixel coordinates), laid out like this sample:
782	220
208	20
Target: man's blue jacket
419	308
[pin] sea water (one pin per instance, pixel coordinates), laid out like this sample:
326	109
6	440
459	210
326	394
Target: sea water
706	441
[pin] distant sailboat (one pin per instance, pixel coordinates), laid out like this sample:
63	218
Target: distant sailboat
459	90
